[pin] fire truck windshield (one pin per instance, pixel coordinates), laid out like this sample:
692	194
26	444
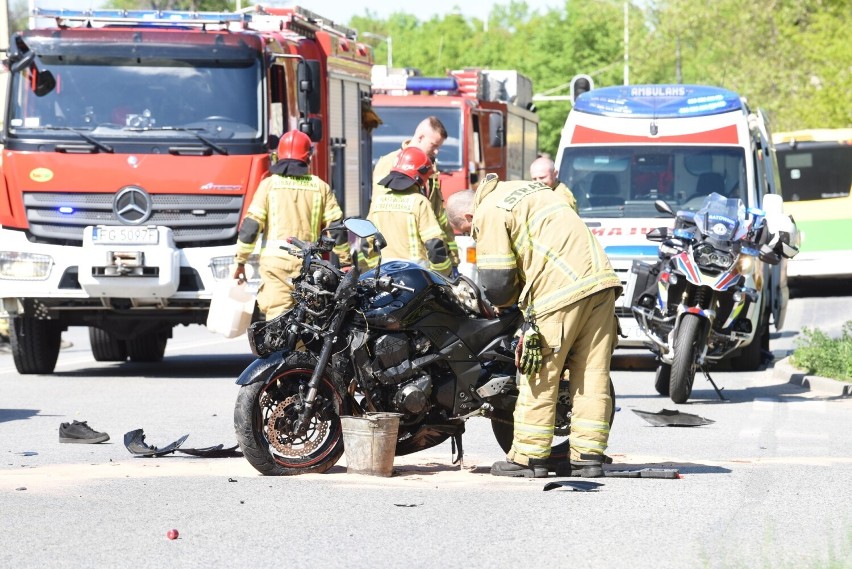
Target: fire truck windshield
624	181
132	97
398	124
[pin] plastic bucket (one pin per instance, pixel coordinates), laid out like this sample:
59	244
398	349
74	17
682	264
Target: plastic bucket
369	443
231	308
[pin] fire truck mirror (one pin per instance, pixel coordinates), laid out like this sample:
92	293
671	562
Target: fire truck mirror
21	57
312	127
309	90
495	129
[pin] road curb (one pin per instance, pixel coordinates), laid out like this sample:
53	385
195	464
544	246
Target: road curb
785	370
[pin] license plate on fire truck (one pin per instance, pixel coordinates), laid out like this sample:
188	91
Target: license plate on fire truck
109	235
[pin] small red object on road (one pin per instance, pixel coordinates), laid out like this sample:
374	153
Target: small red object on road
172	534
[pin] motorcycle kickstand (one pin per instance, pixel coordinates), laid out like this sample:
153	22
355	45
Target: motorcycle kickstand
713	383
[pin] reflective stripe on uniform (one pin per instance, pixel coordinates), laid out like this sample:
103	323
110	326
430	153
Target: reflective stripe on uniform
496	262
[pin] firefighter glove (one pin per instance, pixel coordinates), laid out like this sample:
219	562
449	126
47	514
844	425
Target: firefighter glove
528	351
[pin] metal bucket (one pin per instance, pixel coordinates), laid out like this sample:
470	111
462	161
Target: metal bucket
369	443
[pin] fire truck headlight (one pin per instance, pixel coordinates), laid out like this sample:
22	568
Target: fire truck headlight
24	266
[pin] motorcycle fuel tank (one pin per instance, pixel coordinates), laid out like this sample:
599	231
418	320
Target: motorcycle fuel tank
401	308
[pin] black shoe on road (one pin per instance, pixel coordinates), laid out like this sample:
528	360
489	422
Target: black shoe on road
80	432
515	470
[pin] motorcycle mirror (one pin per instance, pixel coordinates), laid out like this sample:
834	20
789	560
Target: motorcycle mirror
767	255
360	227
663	207
658	234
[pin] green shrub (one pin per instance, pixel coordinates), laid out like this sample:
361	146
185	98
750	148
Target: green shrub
820	355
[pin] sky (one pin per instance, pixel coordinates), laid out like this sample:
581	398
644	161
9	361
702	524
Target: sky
341	11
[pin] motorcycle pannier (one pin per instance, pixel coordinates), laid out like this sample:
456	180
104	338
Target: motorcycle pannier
646	279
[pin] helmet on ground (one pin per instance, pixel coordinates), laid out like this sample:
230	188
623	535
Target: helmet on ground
294	145
413	166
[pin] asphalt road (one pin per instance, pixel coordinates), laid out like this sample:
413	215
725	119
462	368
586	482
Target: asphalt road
766	485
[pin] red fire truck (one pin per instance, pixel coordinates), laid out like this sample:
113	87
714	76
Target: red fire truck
132	144
488	115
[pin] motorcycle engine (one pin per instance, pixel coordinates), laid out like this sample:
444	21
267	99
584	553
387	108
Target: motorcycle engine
413	397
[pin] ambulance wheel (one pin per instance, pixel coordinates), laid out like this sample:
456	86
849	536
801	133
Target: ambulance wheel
35	344
105	348
148	347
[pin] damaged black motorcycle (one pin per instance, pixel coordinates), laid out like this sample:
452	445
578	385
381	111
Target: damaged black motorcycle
398	338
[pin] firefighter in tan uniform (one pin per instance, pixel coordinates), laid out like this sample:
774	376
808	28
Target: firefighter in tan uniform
405	218
289	203
544	170
534	250
429	135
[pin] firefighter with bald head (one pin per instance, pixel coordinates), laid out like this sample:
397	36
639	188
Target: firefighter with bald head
404	216
290	202
544	170
534	250
429	135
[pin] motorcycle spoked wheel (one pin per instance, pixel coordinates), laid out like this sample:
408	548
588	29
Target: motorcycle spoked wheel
502	424
683	364
265	411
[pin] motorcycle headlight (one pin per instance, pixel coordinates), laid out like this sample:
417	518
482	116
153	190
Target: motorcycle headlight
745	264
708	256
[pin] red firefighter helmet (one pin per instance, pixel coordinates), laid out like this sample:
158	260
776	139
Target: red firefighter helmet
412	166
294	145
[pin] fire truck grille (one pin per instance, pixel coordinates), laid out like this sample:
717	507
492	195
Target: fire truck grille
195	220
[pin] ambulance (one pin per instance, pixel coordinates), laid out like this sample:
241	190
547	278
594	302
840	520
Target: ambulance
624	147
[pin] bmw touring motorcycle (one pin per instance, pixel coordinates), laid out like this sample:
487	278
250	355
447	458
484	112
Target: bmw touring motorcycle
705	298
399	339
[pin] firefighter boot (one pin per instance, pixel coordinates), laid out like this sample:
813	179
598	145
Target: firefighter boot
589	466
535	469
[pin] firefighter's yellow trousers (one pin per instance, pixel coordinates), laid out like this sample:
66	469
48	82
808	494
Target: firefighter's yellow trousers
581	337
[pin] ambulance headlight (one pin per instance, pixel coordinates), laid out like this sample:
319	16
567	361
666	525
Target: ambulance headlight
24	266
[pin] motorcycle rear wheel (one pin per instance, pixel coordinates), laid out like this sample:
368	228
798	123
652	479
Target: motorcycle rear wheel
502	424
683	366
663	378
265	411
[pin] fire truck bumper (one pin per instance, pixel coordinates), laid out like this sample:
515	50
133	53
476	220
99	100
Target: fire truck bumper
111	265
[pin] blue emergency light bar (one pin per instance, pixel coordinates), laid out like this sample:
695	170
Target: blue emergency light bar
431	84
158	16
658	101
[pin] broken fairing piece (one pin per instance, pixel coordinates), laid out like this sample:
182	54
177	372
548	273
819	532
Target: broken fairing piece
574	486
217	451
667	473
669	418
135	443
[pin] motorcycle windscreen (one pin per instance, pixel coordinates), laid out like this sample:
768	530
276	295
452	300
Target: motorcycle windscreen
721	218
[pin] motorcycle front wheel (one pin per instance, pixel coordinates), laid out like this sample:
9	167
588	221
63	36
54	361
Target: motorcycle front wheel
503	425
265	412
685	351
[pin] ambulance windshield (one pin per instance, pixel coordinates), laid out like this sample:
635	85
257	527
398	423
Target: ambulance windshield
624	181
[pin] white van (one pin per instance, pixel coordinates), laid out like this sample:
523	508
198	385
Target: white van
624	147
